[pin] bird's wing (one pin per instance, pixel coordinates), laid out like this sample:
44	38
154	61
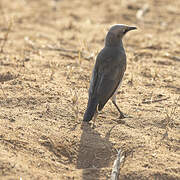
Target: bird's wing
93	80
107	74
110	78
93	98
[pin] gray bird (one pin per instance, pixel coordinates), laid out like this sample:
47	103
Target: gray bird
108	72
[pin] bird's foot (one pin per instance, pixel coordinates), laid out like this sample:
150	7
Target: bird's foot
122	116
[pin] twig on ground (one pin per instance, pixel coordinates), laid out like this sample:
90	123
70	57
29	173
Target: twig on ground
67	55
77	52
116	166
175	58
154	101
171	57
51	48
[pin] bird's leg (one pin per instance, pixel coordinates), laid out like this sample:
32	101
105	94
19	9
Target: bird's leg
94	118
114	102
121	113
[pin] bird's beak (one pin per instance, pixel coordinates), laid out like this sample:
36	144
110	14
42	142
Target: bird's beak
129	28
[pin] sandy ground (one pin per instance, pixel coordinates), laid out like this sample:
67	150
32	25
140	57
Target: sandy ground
48	50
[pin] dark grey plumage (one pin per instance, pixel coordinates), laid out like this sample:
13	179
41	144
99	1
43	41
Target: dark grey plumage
108	72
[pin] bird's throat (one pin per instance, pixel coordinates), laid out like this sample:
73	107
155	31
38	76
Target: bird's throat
112	41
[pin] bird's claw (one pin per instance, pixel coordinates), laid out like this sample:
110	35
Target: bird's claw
122	116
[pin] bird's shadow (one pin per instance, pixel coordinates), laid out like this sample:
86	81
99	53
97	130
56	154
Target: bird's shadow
94	152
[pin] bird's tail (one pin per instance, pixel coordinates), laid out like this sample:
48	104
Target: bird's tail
91	109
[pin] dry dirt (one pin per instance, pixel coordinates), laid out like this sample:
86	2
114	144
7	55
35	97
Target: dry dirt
44	90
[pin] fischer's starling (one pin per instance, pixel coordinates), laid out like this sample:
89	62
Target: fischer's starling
108	72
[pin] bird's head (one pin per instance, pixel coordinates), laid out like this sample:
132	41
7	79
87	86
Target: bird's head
116	33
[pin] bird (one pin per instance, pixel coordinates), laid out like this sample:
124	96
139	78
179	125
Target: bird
108	72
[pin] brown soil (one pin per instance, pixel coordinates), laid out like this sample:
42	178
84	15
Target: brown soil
44	90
